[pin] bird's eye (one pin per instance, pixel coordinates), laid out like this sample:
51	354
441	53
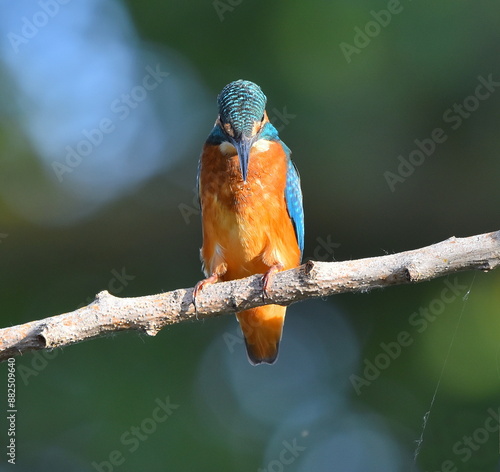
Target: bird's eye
262	119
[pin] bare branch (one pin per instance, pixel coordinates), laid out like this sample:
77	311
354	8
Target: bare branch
149	314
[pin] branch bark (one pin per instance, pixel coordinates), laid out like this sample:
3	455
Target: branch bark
108	314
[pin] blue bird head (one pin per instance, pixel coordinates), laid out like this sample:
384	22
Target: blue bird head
241	113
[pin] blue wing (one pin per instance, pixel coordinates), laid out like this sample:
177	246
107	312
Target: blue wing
293	196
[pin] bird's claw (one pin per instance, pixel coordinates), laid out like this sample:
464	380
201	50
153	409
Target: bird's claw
267	279
199	287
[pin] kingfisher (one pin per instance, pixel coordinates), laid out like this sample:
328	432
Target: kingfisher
251	207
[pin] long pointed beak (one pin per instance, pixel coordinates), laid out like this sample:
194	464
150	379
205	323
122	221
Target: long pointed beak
243	146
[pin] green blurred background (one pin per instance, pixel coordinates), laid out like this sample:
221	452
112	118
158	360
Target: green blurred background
122	215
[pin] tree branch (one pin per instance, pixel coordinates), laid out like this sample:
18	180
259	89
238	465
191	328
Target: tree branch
108	314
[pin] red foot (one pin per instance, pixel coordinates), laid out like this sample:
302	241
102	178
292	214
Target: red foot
267	278
199	287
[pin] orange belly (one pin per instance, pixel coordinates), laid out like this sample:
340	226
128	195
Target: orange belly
246	226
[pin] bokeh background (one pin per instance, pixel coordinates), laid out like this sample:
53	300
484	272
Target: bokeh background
104	107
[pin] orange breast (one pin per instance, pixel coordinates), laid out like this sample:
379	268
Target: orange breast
246	226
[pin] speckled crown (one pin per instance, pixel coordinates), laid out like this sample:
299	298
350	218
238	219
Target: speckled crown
241	103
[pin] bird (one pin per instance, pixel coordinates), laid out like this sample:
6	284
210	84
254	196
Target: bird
251	209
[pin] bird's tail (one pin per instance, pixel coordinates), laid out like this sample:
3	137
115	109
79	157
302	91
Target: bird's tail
262	328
